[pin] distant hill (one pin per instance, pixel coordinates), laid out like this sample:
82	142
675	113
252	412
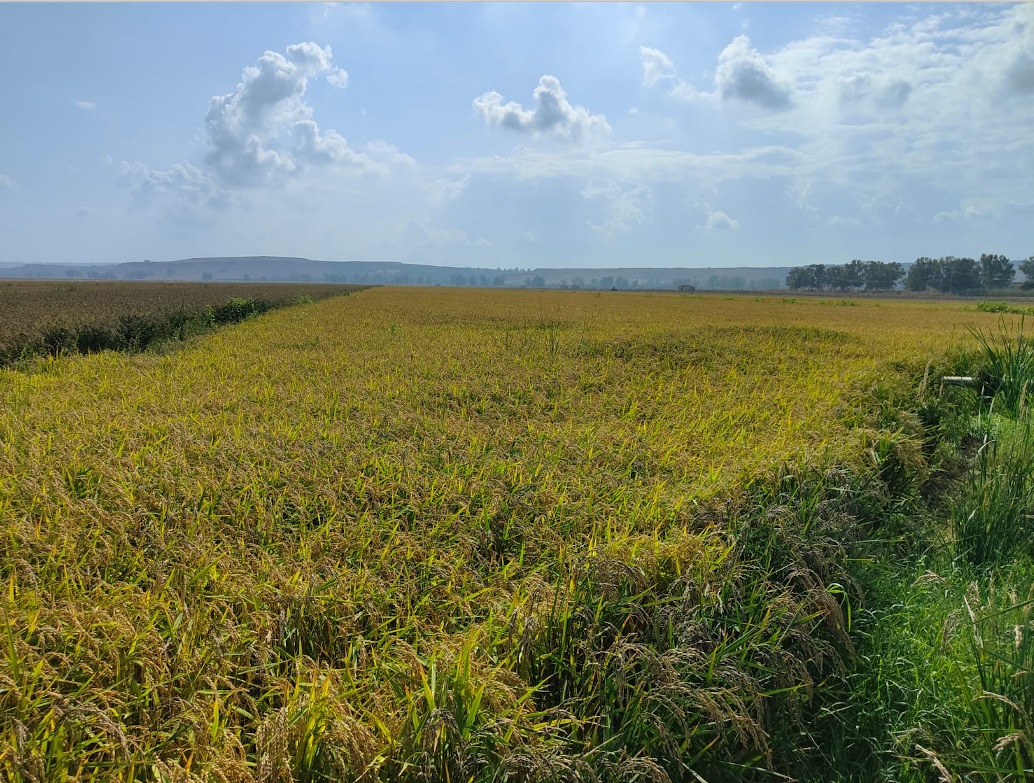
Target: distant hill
286	269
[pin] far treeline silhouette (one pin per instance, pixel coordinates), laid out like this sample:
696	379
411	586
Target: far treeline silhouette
950	275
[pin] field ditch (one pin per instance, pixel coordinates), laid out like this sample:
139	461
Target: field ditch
444	535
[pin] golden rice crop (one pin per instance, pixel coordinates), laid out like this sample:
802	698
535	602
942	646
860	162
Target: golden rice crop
424	534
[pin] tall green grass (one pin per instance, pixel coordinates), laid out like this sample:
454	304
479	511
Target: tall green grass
991	518
1006	371
946	692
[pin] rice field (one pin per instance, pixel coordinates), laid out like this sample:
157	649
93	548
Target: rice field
51	317
438	534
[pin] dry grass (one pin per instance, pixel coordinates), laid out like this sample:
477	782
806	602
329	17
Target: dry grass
427	535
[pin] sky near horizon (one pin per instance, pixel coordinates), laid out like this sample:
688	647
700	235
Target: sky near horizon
517	134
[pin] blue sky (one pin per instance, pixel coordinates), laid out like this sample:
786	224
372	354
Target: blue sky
523	134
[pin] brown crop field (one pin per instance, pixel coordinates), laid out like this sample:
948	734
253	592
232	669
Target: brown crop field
477	535
46	317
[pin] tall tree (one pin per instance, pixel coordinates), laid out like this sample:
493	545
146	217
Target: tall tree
802	277
847	276
819	276
1027	267
881	275
996	271
924	274
963	275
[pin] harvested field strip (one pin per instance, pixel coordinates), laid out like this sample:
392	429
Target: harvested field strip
416	531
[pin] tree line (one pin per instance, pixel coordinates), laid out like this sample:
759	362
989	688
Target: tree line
857	275
950	275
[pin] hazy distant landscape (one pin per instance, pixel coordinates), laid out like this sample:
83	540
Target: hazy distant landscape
276	269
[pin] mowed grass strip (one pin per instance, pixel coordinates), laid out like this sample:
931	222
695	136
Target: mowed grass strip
423	533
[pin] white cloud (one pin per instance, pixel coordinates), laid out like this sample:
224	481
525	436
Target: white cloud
388	154
875	136
330	147
963	213
264	131
442	191
623	209
183	187
553	114
918	116
1014	58
601	190
338	78
863	91
86	105
744	75
719	221
656	66
6	183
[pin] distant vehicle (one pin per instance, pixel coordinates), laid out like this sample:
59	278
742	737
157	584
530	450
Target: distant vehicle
688	288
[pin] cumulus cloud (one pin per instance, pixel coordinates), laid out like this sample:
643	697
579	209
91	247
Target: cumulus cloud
719	221
623	208
338	78
861	90
744	75
329	147
389	154
963	213
894	94
553	114
1016	52
262	134
741	75
656	66
183	186
264	130
85	105
442	191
